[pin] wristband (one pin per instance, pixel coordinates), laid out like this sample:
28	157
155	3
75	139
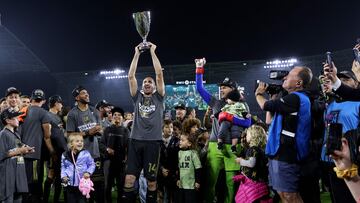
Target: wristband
257	94
347	173
200	70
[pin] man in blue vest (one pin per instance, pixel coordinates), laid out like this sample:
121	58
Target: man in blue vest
289	132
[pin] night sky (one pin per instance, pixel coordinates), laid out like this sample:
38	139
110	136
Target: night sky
77	35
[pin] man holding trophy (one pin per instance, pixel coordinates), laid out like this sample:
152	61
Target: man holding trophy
146	134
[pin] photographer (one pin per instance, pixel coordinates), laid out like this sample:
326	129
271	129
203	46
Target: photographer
289	133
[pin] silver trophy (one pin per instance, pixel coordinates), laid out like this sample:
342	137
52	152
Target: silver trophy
142	22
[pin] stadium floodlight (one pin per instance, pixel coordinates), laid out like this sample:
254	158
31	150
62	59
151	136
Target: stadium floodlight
116	77
116	73
280	63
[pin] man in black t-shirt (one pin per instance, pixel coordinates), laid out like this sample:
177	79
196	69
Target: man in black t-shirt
85	119
34	132
104	109
145	138
115	139
59	142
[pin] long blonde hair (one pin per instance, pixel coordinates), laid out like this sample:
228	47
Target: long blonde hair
258	136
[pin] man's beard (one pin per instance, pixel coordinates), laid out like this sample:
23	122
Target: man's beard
105	114
148	93
180	118
83	101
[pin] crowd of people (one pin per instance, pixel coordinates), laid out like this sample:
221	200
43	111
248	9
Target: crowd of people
311	133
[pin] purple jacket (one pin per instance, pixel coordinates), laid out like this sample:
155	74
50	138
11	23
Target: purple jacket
84	163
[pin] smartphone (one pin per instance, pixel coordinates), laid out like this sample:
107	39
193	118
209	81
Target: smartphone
328	58
333	141
329	61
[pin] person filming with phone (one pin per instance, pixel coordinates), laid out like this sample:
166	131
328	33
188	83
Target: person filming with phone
341	137
340	117
336	85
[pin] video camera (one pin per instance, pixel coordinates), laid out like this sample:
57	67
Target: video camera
274	75
278	74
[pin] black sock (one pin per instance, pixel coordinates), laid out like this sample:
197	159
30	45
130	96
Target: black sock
151	196
129	195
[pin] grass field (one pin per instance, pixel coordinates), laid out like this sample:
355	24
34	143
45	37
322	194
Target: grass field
325	197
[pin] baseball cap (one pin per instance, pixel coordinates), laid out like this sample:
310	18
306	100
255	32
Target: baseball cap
9	113
117	109
55	98
180	106
11	90
102	103
38	94
347	74
228	82
76	91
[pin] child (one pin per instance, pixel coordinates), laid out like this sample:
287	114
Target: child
169	150
191	126
227	130
253	166
75	163
12	167
115	139
189	169
177	126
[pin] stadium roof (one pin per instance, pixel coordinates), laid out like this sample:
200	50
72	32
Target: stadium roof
15	56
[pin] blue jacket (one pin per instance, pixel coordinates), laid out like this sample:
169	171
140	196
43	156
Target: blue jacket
303	130
84	163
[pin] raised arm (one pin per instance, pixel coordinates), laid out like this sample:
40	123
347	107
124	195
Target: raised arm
160	85
131	75
200	63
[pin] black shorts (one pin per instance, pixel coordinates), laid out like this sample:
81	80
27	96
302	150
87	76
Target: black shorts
143	155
